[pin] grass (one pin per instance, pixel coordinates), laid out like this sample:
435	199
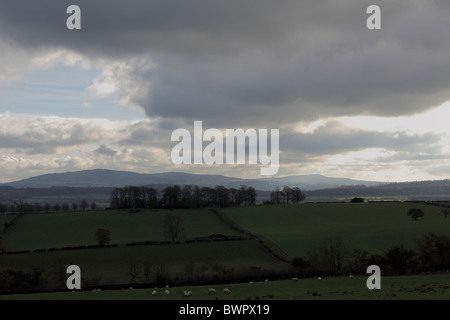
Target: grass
41	231
437	287
107	266
5	218
294	228
371	226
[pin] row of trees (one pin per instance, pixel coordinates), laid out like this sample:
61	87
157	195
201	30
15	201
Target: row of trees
22	206
175	196
286	195
333	256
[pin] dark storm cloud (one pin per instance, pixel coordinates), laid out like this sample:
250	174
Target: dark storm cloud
257	62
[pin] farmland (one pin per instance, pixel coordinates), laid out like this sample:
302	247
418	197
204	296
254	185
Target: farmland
420	287
40	231
371	226
5	218
235	257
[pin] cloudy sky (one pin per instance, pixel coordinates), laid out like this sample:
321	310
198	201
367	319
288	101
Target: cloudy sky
348	101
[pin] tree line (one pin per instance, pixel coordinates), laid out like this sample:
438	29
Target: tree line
286	195
332	256
22	207
189	196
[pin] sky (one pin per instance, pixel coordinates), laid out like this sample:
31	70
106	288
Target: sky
348	101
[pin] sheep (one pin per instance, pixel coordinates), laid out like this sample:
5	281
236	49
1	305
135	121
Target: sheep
251	282
211	290
266	280
294	279
351	276
226	290
131	288
167	292
319	278
154	293
187	293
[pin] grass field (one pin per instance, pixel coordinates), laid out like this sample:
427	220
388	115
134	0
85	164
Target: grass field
437	287
294	228
40	231
370	226
5	218
106	266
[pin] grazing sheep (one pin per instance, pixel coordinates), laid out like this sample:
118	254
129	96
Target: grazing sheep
319	278
251	282
211	290
226	290
266	280
351	276
187	293
295	279
167	286
167	292
131	288
154	293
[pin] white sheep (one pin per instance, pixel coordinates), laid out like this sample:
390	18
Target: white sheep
154	293
251	282
319	278
131	288
226	290
266	280
351	276
187	293
167	292
211	290
294	279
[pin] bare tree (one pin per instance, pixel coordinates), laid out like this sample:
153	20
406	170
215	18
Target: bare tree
173	228
84	205
415	213
133	271
445	211
103	236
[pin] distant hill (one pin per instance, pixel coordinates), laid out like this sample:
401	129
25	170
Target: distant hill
418	190
96	185
112	178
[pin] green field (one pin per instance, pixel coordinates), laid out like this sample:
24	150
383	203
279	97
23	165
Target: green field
5	218
56	230
293	228
421	287
370	226
106	266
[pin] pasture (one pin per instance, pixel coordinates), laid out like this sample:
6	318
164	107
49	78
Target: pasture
5	218
417	287
293	228
56	230
168	262
370	226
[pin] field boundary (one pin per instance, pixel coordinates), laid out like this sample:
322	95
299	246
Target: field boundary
10	225
266	244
